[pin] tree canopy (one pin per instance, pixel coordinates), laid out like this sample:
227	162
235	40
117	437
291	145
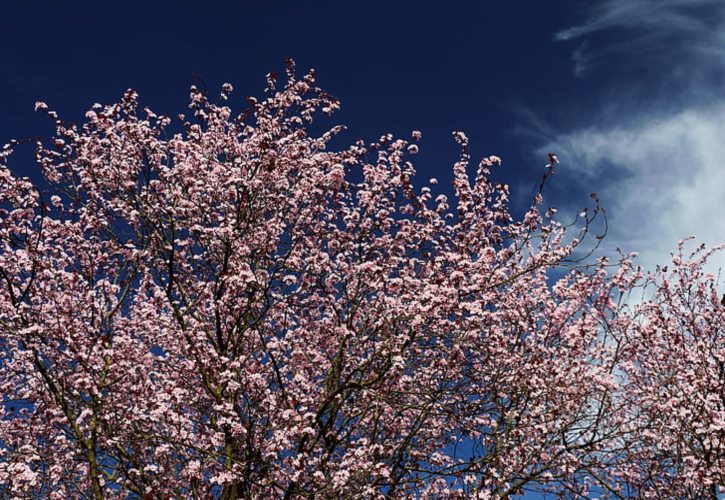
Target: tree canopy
238	310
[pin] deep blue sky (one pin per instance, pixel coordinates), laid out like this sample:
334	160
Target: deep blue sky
396	66
608	84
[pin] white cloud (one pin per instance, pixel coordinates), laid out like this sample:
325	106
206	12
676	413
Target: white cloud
657	142
670	180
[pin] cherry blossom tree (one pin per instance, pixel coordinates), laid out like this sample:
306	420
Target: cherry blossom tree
236	310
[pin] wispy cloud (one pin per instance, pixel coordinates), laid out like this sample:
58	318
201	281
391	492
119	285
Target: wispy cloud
651	15
664	137
656	34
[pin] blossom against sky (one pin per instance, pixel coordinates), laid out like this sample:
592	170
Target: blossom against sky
627	92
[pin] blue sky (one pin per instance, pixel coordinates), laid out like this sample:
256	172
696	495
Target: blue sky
628	92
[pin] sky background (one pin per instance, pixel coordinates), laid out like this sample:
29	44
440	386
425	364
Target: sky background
629	93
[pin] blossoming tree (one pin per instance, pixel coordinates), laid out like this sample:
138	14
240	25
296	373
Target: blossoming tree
234	310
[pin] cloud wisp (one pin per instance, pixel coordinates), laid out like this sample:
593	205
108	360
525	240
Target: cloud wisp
653	34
